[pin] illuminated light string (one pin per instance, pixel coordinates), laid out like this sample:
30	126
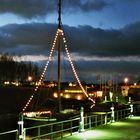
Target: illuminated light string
74	71
45	68
59	32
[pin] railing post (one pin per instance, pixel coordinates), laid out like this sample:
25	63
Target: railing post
124	113
134	110
96	120
106	118
117	114
81	125
90	122
24	133
101	119
62	129
51	131
131	110
121	114
112	114
21	135
105	98
71	127
38	132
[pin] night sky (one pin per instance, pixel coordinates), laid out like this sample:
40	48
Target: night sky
103	35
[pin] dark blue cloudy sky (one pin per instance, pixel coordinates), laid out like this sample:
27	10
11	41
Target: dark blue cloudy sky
103	35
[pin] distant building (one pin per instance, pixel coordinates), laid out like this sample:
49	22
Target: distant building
134	90
74	92
125	90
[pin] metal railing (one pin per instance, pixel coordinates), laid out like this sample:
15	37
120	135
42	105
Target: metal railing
67	127
53	130
13	135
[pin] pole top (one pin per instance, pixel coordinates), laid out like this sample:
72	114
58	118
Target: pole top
59	14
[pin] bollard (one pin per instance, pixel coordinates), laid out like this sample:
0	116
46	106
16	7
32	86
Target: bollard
111	96
21	127
131	110
112	114
81	125
105	98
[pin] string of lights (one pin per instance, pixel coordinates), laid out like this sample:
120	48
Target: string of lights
74	70
44	70
59	32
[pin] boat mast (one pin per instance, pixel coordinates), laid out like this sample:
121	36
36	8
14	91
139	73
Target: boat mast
59	14
59	56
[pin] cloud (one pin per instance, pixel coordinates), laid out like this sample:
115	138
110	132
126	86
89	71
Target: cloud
26	38
37	38
93	50
27	8
85	5
91	41
37	8
132	1
88	71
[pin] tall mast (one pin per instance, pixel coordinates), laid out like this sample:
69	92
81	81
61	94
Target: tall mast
59	57
59	14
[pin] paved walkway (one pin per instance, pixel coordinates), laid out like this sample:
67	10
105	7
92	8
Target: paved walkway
127	129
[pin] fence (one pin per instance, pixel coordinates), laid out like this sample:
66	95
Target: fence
9	135
68	127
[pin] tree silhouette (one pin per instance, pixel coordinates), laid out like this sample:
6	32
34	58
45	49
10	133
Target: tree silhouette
11	70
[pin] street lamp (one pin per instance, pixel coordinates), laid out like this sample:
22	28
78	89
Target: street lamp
126	80
30	78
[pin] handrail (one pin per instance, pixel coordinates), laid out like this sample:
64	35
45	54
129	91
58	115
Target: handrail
12	134
91	120
50	124
59	129
8	132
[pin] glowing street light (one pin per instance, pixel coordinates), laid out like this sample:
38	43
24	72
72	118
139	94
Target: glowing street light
126	80
30	78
